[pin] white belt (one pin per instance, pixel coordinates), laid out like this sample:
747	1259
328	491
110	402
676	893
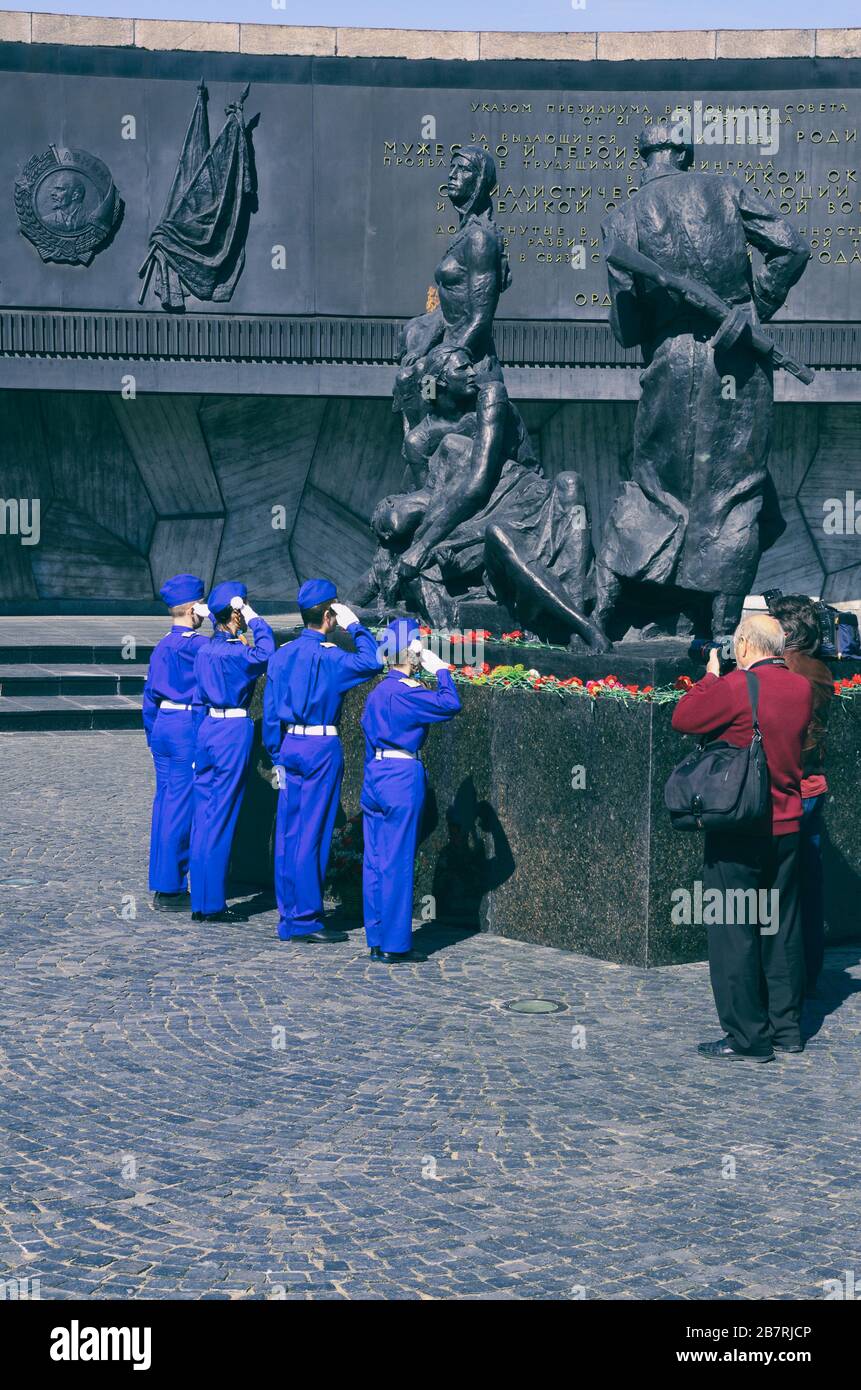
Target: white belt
394	753
171	704
315	730
229	713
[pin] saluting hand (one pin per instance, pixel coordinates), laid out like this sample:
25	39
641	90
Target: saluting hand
242	606
433	663
345	615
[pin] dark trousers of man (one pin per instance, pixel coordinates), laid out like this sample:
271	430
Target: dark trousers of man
812	889
757	973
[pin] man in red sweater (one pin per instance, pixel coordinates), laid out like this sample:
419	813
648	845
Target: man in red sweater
756	966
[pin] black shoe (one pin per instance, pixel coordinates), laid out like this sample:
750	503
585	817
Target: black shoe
788	1047
722	1050
398	957
326	934
374	953
227	914
171	902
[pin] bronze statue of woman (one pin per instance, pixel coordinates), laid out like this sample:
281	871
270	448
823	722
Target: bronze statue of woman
471	276
477	514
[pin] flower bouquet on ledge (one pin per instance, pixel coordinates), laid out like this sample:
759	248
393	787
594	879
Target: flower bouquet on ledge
343	886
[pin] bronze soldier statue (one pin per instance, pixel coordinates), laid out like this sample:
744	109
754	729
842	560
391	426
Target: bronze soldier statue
700	507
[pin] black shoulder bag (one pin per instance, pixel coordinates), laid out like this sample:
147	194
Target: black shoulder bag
721	787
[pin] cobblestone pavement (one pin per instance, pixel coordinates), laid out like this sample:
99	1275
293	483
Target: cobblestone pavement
206	1112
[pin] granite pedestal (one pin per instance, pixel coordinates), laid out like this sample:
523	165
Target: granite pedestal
513	844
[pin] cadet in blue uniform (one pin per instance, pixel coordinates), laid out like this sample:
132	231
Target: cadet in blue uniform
305	687
225	673
397	715
169	728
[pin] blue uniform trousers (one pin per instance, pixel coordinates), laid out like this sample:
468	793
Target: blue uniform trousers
172	748
221	757
303	829
392	800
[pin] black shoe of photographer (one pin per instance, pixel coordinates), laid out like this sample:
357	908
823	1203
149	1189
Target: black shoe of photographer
787	1047
722	1050
320	938
399	957
171	902
227	914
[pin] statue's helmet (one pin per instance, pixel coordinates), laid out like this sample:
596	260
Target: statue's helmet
666	135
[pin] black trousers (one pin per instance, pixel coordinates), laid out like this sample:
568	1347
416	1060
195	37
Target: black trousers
757	973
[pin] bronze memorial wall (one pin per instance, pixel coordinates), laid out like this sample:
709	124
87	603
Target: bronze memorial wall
160	408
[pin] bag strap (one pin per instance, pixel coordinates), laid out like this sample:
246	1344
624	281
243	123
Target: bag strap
753	696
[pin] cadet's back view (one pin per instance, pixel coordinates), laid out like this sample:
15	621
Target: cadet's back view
305	688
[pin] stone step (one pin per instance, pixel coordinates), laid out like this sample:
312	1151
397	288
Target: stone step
60	654
26	679
35	713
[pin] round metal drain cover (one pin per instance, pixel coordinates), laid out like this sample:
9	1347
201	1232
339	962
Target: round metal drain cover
535	1006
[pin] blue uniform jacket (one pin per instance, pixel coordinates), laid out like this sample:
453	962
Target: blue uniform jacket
226	669
308	679
397	713
171	672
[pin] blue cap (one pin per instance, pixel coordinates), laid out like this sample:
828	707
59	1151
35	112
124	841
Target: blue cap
315	591
221	595
183	588
395	638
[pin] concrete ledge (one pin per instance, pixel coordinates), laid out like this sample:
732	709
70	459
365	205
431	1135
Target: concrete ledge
766	43
186	35
838	43
15	26
662	44
550	46
286	39
407	43
82	30
469	45
366	380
